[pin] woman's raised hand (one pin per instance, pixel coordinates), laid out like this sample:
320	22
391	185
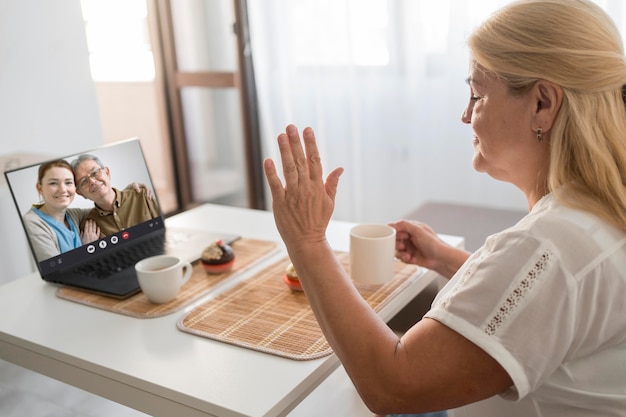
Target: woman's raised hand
304	205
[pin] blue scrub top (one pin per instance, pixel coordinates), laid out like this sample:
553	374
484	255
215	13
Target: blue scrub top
68	239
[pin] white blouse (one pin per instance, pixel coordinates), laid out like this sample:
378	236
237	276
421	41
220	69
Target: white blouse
546	299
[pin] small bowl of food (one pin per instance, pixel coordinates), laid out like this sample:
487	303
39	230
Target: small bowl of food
217	258
290	278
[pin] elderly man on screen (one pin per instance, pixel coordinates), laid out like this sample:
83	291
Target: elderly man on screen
114	209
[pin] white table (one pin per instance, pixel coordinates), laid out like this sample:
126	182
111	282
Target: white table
150	365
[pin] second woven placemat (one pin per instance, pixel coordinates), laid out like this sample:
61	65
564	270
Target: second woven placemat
263	314
247	253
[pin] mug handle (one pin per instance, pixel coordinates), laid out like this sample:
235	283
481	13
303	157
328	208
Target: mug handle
187	270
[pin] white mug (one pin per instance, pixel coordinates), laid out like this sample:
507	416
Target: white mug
372	253
160	277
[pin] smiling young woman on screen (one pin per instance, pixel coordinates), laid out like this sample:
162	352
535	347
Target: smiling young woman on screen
52	224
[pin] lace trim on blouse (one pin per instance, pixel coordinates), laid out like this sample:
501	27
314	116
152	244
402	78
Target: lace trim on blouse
518	294
514	298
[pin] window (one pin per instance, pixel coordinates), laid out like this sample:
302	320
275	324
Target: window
118	40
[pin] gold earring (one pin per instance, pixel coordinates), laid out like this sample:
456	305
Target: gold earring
539	134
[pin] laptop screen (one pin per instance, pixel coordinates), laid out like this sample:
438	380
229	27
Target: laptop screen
124	165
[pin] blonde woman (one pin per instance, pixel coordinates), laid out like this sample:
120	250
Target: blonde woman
534	322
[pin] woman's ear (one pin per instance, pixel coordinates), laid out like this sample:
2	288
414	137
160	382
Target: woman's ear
549	97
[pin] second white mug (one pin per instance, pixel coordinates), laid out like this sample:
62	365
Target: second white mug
372	253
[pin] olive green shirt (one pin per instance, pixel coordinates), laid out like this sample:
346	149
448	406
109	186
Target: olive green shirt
130	208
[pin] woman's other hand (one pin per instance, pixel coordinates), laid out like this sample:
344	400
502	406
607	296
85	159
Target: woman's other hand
417	243
90	232
139	187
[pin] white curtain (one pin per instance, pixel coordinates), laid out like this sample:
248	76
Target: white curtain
382	82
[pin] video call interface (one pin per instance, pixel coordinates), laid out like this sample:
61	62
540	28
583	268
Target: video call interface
126	165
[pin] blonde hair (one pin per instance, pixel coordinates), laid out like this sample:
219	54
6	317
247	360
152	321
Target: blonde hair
576	45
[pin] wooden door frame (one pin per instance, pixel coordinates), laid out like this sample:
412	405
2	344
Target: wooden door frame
242	79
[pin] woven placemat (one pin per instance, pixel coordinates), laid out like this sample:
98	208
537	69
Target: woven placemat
247	253
263	314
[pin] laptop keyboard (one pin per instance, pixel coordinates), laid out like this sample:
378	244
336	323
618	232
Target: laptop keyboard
120	260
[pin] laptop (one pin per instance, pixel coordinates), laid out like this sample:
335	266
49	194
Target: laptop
107	265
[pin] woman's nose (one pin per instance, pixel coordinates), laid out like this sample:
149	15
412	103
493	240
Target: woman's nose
466	116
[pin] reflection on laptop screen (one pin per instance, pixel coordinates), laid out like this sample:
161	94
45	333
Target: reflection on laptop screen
59	207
